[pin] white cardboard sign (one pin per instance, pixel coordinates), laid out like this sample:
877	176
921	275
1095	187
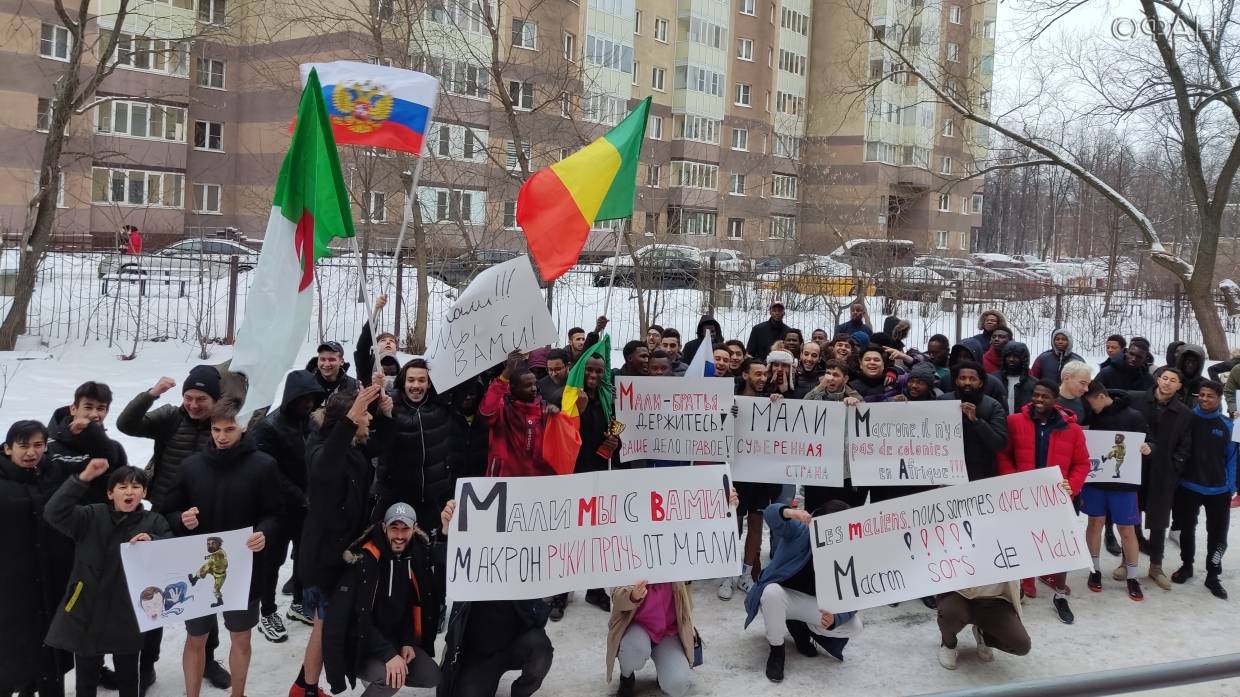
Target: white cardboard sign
906	444
1114	457
789	441
669	418
183	578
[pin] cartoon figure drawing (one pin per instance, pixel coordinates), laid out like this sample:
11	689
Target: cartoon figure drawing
151	600
217	565
156	603
1116	453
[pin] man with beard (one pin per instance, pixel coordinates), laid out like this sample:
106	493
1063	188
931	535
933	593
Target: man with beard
654	335
416	468
551	386
1131	371
1017	382
636	360
764	334
808	370
985	420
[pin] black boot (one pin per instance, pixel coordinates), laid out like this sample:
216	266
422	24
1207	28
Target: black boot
775	664
833	645
802	637
1182	574
1112	544
626	686
599	598
558	603
107	678
193	580
1216	588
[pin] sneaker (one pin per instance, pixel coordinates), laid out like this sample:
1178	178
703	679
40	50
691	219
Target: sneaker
627	685
833	645
775	664
287	588
1182	574
215	674
1134	590
1049	579
801	638
947	657
1159	578
1095	581
107	679
1064	612
297	613
985	654
599	598
272	628
1120	573
1028	588
726	586
1216	588
1112	544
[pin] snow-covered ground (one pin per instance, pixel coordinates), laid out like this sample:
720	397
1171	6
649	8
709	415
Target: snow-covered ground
894	656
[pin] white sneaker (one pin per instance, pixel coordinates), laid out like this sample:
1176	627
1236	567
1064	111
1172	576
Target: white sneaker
726	586
947	657
745	580
985	654
272	628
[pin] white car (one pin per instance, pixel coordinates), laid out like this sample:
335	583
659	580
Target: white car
187	258
725	260
680	250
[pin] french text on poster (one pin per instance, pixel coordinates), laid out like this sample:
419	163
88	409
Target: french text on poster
906	443
989	531
182	578
501	311
789	441
532	537
682	419
1114	457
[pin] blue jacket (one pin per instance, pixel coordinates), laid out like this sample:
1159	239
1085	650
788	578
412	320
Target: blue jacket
1211	466
792	553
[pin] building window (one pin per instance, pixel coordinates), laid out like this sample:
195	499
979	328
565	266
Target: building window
784	186
136	187
743	94
652	223
794	21
376	207
54	42
458	205
787	146
941	238
964	241
953	14
705	33
510	215
565	152
790	62
209	135
658	78
656	128
510	155
740	139
207	198
521	94
736	184
570	47
60	187
791	104
140	120
637	22
744	49
43	115
692	77
783	227
653	174
946	165
690	222
660	29
636	70
695	175
945	203
604	109
953	52
458	76
211	11
949	128
699	128
524	34
154	55
976	203
746	7
211	73
736	228
463	14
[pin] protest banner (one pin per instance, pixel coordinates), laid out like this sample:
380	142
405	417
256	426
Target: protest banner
532	537
989	531
182	578
501	311
906	444
682	419
789	441
1114	457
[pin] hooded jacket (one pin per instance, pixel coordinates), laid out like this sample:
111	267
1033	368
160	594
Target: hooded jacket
176	437
1118	375
1171	442
382	602
417	467
1118	416
979	343
706	323
515	439
283	436
1193	379
69	452
96	613
1050	362
1017	389
991	385
1211	468
983	438
1057	442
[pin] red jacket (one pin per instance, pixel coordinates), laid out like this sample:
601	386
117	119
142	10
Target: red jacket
992	362
515	435
1066	449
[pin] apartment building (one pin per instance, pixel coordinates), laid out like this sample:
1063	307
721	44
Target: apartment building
192	124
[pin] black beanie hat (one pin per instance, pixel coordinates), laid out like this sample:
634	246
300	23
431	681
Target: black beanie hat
205	378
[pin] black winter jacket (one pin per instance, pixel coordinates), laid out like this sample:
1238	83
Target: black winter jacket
1169	435
1118	376
594	429
283	436
176	437
706	325
96	613
762	336
983	438
417	467
531	614
234	488
1119	416
69	452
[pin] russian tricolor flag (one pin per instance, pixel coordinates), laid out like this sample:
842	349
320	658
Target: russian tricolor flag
375	105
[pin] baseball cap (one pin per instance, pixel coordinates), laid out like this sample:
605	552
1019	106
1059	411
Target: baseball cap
778	304
402	512
331	346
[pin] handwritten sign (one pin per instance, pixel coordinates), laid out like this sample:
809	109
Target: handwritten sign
531	537
791	441
1114	457
682	419
501	311
992	530
183	578
906	443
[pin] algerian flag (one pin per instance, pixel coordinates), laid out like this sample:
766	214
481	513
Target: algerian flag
310	208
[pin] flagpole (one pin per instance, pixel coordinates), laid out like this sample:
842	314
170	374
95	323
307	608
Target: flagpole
615	260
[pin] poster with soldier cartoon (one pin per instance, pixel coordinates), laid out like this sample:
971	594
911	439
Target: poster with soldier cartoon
174	580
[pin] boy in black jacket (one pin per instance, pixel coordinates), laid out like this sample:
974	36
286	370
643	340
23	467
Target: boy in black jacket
232	485
76	436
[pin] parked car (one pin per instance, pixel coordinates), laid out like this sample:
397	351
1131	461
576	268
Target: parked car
724	260
658	266
914	283
874	255
194	257
461	269
813	276
776	263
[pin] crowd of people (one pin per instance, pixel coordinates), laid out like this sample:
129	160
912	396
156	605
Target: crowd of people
354	477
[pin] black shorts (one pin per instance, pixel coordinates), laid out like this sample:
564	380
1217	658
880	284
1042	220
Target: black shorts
755	496
234	621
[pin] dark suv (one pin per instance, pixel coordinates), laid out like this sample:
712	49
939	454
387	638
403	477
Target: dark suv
659	267
461	269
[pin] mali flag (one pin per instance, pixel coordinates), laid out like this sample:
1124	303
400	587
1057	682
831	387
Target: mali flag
562	439
558	205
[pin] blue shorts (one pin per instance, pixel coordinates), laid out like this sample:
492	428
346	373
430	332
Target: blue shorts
314	602
1121	505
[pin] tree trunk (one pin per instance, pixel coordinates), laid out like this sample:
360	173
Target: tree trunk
417	335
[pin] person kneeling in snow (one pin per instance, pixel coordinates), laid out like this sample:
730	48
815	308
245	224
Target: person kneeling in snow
994	612
785	593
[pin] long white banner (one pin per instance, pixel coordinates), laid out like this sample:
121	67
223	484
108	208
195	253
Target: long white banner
789	441
681	419
999	529
906	443
533	537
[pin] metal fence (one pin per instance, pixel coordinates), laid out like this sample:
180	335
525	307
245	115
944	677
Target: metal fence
80	298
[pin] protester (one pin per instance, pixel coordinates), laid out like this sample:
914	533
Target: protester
659	364
1116	346
793	341
819	336
736	351
1130	372
936	354
384	611
754	496
985	420
876	379
765	334
331	371
515	414
1073	384
1050	363
652	622
576	343
1190	359
654	335
382	346
986	322
722	360
671	345
416	468
779	368
856	321
708	331
992	359
1014	373
636	360
991	385
1208	480
76	436
808	370
551	386
995	613
96	617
